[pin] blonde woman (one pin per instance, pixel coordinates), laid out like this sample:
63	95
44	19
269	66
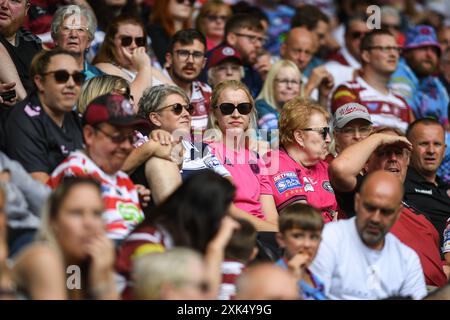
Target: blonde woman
282	84
72	239
98	86
232	121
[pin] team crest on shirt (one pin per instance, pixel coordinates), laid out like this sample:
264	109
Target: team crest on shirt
327	186
308	185
286	181
212	163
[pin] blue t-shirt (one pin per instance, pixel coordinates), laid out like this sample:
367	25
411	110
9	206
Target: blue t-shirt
308	292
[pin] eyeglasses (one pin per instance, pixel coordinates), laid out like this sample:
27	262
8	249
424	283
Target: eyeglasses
287	82
62	76
325	131
191	2
213	18
185	54
228	108
389	26
364	131
385	49
126	41
357	35
119	138
177	108
68	28
252	39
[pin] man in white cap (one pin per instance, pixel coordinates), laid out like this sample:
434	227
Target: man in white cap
352	124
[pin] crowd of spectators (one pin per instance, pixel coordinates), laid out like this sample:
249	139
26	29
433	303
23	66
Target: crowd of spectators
223	149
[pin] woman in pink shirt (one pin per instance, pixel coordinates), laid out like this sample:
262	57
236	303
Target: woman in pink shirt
231	134
302	175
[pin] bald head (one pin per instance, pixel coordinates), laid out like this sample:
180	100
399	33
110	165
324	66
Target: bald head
266	281
300	46
377	207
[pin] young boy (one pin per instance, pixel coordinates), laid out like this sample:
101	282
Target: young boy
300	232
240	250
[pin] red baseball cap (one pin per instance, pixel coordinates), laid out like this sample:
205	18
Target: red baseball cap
221	53
114	109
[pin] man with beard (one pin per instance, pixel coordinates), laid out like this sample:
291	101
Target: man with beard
16	44
359	258
379	56
415	78
388	150
185	59
246	34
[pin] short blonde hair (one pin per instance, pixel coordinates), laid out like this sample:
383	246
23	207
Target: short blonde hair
217	91
268	92
98	86
152	271
295	114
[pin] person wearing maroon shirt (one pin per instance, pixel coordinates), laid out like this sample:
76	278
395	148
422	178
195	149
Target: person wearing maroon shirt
386	149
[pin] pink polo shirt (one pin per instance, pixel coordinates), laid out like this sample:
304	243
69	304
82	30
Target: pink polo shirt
293	183
245	168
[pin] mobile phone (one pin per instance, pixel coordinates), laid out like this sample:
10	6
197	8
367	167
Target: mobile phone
8	96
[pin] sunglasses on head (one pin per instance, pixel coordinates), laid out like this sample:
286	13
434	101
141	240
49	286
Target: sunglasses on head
322	131
228	108
191	2
126	41
177	108
62	76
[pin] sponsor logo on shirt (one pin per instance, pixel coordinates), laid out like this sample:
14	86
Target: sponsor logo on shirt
372	106
327	186
212	162
32	111
308	185
429	192
286	181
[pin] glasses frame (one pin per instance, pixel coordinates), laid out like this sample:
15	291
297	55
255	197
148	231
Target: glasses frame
177	108
324	131
191	2
126	41
76	75
197	56
251	38
118	138
242	108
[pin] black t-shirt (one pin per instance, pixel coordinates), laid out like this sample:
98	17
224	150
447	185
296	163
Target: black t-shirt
27	45
346	200
426	197
35	140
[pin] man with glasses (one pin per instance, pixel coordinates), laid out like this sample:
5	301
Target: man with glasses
43	129
108	131
415	78
185	60
246	34
17	44
387	149
379	55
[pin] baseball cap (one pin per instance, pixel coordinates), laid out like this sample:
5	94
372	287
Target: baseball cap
421	36
114	109
221	53
348	112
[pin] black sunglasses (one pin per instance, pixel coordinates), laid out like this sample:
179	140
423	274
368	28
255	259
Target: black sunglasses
357	35
228	108
126	41
191	2
323	131
177	108
119	138
62	76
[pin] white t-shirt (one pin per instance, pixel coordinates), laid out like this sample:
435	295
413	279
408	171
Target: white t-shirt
350	270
